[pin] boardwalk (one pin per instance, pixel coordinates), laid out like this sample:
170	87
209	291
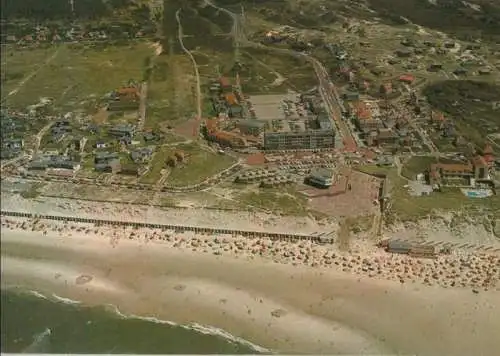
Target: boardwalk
179	228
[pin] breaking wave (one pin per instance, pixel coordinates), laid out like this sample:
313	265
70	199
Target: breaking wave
202	329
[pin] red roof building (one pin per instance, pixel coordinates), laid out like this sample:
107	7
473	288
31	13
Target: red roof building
224	82
488	155
407	78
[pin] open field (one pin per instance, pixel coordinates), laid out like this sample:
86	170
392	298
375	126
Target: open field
285	201
200	165
171	91
470	105
78	75
416	165
410	208
407	207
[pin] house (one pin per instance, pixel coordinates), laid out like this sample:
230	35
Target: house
435	67
100	144
141	155
488	155
122	130
15	144
227	139
459	173
105	157
53	161
125	140
230	99
407	78
235	111
151	136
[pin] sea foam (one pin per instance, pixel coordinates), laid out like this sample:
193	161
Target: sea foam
202	329
65	300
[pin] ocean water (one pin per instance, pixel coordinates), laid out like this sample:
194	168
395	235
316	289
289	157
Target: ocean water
35	323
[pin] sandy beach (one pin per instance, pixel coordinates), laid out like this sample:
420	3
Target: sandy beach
290	307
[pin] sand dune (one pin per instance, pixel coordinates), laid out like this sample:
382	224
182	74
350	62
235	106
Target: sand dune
282	307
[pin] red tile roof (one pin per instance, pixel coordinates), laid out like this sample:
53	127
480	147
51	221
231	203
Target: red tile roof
407	78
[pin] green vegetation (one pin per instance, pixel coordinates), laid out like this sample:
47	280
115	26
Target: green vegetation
158	163
77	76
410	208
170	92
374	169
452	16
33	191
200	165
469	104
276	200
416	165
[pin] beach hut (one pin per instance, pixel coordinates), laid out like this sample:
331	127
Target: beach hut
398	246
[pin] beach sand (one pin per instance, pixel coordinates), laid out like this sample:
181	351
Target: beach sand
282	307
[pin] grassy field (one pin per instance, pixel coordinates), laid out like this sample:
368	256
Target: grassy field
416	165
469	104
277	200
407	207
200	165
171	91
158	163
77	75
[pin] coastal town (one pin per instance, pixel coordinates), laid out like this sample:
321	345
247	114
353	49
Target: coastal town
326	147
360	148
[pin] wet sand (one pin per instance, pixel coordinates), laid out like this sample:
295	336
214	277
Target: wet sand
280	306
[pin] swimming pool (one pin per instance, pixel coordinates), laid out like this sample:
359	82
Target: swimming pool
483	193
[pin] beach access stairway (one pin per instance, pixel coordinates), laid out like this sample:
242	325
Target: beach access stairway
178	228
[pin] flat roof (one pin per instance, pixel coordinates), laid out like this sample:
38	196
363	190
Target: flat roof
268	107
323	173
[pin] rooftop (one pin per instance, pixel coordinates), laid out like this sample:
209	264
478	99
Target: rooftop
322	173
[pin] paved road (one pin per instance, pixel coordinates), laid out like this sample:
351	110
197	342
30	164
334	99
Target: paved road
328	91
195	66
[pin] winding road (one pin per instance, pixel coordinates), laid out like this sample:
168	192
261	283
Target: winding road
197	74
328	91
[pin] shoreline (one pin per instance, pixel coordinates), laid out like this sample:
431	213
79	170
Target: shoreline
279	306
460	269
114	310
